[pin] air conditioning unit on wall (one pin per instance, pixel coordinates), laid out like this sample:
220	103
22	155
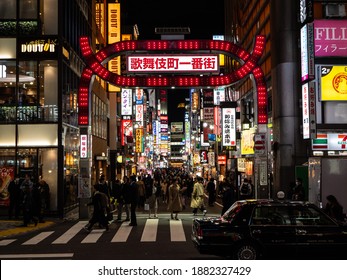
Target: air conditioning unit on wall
335	10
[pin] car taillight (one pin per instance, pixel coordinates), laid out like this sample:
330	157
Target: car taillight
199	233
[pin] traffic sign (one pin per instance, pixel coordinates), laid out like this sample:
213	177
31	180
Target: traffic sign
259	144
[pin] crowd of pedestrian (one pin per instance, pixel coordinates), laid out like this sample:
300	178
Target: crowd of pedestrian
173	189
28	200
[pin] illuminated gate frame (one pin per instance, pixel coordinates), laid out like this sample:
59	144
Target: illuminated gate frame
95	67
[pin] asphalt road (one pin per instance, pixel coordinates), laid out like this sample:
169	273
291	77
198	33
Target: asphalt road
151	239
160	238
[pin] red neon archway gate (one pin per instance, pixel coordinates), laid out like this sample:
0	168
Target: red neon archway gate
95	67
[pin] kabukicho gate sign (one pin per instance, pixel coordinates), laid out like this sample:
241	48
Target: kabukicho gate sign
192	57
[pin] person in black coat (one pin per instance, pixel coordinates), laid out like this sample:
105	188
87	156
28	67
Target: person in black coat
133	196
334	209
100	204
227	197
211	189
15	198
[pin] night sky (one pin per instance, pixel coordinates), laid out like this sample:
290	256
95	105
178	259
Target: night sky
204	18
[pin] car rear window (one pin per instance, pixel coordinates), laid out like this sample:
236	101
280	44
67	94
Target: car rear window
232	211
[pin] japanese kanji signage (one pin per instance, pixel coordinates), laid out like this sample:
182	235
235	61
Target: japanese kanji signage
229	126
305	112
307	52
330	37
138	140
139	113
84	146
173	63
126	102
309	110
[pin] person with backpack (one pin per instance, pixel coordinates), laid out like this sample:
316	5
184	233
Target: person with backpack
246	189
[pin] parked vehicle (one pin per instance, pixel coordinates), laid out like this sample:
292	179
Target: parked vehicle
253	229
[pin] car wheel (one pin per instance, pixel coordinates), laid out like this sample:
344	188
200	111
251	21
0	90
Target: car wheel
246	252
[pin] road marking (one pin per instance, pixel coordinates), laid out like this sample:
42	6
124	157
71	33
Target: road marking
38	238
67	236
5	242
35	256
176	231
149	233
93	236
122	233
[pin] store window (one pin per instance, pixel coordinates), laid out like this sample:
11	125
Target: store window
49	16
8	48
37	91
7	91
48	76
8	9
48	171
71	145
99	117
28	9
27	96
7	167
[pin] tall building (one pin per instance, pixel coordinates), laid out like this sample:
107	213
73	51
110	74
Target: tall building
41	65
305	53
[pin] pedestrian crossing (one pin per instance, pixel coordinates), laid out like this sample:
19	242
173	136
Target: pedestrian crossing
146	231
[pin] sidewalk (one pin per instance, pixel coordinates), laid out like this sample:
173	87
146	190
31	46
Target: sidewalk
14	227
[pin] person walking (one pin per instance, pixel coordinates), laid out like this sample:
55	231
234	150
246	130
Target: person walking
227	197
133	197
164	190
211	189
120	193
152	201
197	201
100	203
142	192
175	201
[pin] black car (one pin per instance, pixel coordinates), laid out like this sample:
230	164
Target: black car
254	229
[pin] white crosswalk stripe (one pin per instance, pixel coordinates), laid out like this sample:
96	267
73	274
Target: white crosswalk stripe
93	236
6	242
67	236
38	238
122	232
150	231
176	231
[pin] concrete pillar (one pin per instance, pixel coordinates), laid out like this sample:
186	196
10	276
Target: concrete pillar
289	147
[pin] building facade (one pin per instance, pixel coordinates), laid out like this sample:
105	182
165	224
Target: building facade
303	46
41	66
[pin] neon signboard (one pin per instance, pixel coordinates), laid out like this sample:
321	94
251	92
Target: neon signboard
172	63
248	66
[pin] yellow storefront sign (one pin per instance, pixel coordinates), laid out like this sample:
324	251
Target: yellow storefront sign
333	83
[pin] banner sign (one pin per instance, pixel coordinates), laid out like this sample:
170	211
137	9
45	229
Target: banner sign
229	126
330	38
172	63
333	83
126	102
